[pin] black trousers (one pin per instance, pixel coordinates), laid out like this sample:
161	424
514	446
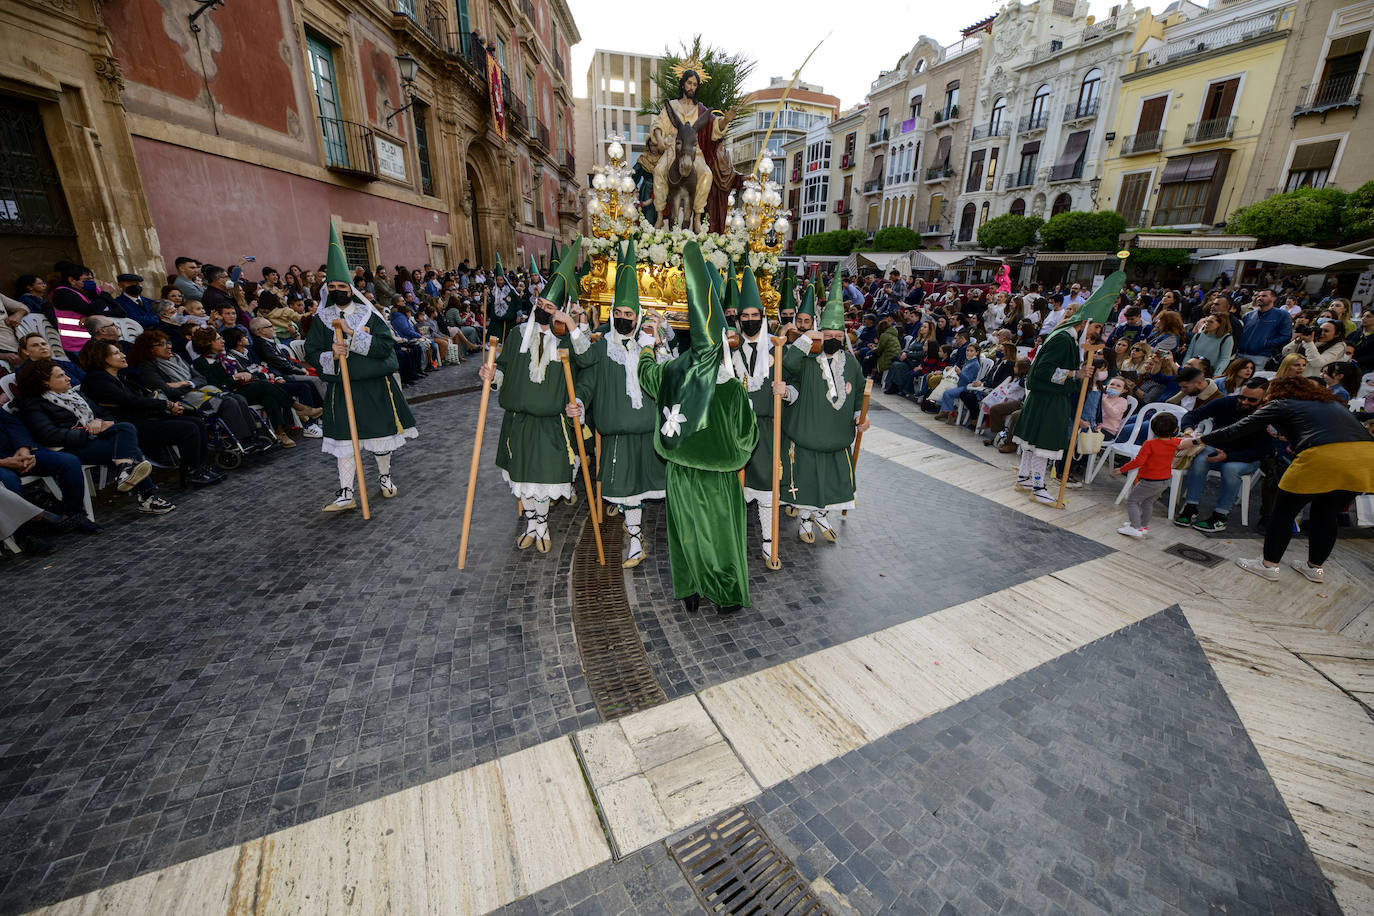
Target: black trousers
186	433
1321	525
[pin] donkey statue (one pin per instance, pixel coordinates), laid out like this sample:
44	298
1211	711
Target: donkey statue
681	198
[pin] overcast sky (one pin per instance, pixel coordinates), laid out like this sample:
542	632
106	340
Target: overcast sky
868	38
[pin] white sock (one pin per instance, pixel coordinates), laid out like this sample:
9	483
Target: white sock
1024	471
1038	471
821	519
383	463
765	521
348	472
632	518
541	517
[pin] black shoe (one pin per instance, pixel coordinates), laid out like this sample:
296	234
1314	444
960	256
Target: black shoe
81	523
1216	523
730	608
34	545
1185	518
203	476
692	602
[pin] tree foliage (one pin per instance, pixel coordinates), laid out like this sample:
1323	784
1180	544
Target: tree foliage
1298	217
1357	216
896	238
839	241
724	89
1078	230
1009	232
1146	262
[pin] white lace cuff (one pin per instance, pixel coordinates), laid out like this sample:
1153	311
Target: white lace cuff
803	344
792	394
496	382
1060	375
327	363
753	384
580	340
361	341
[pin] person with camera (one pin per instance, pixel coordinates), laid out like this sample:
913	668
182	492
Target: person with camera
1322	344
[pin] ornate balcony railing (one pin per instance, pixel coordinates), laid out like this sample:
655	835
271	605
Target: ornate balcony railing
349	147
1341	91
1210	131
1000	129
1032	123
1147	141
1081	110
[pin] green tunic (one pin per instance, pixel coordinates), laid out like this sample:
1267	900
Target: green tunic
383	416
1047	416
817	467
630	469
706	525
758	473
535	449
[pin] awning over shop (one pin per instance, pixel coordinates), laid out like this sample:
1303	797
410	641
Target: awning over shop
1295	256
939	260
1070	257
884	261
1214	242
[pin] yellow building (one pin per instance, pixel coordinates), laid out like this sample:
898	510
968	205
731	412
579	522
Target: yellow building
1191	114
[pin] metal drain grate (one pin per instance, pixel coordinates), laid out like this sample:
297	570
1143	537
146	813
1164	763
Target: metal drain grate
734	868
1196	555
613	658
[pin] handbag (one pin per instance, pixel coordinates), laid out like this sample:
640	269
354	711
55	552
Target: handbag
1364	510
1089	443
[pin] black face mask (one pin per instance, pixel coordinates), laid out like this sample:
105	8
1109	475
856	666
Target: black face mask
340	297
624	326
732	320
133	292
751	326
831	346
542	316
787	317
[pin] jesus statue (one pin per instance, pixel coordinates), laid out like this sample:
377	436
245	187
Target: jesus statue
691	166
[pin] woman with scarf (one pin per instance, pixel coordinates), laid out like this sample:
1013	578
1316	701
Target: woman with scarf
59	416
217	368
161	370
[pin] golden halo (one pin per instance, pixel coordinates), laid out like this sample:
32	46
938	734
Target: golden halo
682	67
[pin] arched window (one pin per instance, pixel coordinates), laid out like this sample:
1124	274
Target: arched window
999	111
1038	106
920	66
1088	93
1018	207
966	222
1062	204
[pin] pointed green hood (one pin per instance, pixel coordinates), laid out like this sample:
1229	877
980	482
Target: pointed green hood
689	381
749	293
564	281
1098	306
500	271
336	265
832	319
534	267
787	295
731	299
626	280
808	303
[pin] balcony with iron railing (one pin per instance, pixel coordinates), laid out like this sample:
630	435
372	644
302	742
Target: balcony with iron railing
1136	219
1022	179
879	136
1340	91
1082	110
1210	131
1032	122
527	10
1073	174
841	206
568	164
873	186
349	147
515	106
558	64
427	21
945	115
930	228
1147	141
983	131
1183	47
463	48
539	133
939	173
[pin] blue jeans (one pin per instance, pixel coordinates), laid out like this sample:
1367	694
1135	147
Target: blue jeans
1231	473
948	399
62	467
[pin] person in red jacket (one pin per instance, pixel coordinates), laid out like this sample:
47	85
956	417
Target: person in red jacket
1154	464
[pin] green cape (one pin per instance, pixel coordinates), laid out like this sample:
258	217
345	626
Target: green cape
689	381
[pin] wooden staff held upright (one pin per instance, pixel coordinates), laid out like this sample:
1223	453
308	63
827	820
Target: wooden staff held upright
492	344
778	343
592	507
1088	353
352	419
859	436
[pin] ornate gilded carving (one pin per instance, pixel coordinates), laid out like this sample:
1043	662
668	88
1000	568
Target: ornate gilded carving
111	75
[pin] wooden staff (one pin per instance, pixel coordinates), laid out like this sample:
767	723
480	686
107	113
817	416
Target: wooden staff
477	454
778	343
352	420
598	468
1088	352
592	506
859	436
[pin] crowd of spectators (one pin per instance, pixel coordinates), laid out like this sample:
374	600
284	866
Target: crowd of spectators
1211	352
205	375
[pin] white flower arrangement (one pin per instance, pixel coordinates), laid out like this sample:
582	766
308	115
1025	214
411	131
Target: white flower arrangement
665	246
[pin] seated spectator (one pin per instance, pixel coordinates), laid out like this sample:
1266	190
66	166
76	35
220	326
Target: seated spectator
35	347
1132	327
1240	458
968	374
307	397
161	424
1321	344
1158	379
169	323
13	313
286	321
1237	372
1341	379
133	302
31	290
1291	366
1168	331
1113	406
1194	388
21	456
887	348
101	328
1214	342
1266	330
1003	403
279	360
58	416
222	372
405	330
161	369
1136	358
1362	341
77	294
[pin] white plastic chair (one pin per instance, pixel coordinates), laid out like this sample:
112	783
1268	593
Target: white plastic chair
8	384
298	348
1265	373
128	328
1129	450
1246	481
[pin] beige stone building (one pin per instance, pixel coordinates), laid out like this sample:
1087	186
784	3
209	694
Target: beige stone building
1313	132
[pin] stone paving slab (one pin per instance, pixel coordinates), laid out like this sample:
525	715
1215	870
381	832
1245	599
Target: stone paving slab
1114	779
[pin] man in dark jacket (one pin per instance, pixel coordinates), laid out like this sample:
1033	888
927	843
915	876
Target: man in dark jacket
131	299
1239	459
1267	329
269	353
21	457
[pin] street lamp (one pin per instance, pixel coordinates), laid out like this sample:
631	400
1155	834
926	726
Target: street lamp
408	67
